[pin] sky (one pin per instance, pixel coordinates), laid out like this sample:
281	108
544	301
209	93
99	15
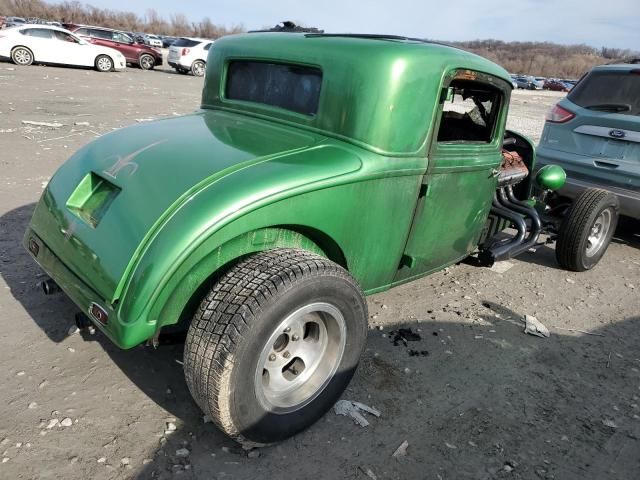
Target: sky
611	23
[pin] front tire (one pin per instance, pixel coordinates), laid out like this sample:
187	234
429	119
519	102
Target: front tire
198	68
587	229
274	344
104	63
22	56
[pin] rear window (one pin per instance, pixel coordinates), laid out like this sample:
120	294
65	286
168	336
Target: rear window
37	32
291	87
617	92
184	42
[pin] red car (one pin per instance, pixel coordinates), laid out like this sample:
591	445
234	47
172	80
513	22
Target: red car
135	53
555	85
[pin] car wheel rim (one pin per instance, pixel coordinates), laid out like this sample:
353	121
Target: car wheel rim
147	63
198	69
300	358
22	56
104	64
599	232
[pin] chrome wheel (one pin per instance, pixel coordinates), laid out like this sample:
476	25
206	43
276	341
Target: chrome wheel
147	62
599	232
104	64
22	56
198	69
300	357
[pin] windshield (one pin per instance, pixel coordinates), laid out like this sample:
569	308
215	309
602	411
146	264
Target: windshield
612	91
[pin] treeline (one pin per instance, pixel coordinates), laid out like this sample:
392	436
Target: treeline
152	22
545	59
532	58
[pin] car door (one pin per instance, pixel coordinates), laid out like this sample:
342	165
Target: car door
71	50
459	185
125	45
39	40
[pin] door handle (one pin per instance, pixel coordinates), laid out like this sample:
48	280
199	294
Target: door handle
601	164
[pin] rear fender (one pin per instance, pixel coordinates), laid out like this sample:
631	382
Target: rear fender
184	290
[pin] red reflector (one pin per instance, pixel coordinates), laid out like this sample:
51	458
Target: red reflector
185	51
557	114
34	247
99	313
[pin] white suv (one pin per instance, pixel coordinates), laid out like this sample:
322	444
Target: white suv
189	54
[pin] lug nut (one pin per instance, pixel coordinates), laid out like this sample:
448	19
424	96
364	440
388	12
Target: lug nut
272	357
295	338
286	354
287	330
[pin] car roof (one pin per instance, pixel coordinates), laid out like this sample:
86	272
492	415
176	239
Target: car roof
617	67
363	78
196	39
98	28
40	25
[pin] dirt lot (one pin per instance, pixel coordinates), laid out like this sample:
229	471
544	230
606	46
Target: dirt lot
487	401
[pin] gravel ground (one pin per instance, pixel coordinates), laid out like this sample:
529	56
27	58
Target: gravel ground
485	400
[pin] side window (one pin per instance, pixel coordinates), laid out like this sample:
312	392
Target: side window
121	37
65	37
82	31
103	34
37	32
208	46
470	112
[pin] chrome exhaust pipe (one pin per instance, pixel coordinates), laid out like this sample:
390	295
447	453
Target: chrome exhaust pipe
49	287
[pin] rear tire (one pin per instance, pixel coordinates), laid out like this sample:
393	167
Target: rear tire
274	344
198	68
104	63
587	229
22	56
146	62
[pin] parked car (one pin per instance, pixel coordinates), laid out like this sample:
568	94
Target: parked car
260	222
47	44
189	55
153	40
14	22
167	41
148	39
555	85
538	82
525	83
594	134
135	53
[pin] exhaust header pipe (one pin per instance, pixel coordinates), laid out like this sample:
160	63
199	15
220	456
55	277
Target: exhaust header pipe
49	287
507	206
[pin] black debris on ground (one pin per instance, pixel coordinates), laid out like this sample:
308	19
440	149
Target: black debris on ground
403	335
418	353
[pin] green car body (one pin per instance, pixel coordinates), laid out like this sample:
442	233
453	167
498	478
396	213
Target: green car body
134	224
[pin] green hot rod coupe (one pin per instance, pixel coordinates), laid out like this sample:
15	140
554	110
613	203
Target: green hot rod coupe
320	168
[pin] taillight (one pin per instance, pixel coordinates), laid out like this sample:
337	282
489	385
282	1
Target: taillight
185	51
557	114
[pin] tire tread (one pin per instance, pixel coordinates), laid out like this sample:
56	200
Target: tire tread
574	228
227	313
